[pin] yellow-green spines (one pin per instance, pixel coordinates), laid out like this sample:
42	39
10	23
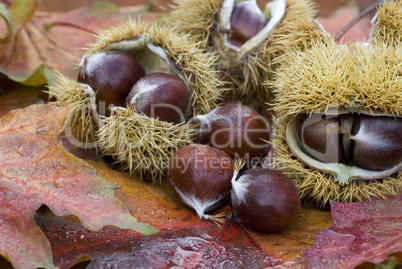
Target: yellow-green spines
80	122
297	30
201	19
356	78
196	17
142	144
387	28
301	33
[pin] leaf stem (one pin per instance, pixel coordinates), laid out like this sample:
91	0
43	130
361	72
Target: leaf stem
364	13
49	25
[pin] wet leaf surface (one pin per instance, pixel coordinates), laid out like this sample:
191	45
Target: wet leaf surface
365	231
183	240
35	169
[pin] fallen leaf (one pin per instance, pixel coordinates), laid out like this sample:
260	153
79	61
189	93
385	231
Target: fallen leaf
34	48
19	98
367	231
35	169
340	18
184	240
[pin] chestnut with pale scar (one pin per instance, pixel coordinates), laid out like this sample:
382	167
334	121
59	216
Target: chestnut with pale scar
246	21
265	200
161	96
350	145
236	129
111	74
201	176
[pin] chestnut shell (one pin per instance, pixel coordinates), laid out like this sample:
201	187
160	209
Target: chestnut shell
246	21
201	176
319	136
160	95
377	142
111	74
265	200
237	129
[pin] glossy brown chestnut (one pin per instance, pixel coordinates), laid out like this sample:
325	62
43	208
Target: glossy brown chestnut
111	74
246	21
377	142
237	129
160	95
265	200
201	176
319	137
368	142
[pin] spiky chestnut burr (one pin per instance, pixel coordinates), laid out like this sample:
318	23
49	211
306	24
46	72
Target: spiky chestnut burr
247	63
236	129
111	74
160	96
201	176
264	200
361	81
140	143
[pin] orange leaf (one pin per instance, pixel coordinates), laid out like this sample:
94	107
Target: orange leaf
35	169
183	240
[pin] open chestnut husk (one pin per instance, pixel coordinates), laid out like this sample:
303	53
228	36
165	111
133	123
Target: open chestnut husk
372	143
140	140
160	96
201	176
111	74
251	43
236	129
265	200
351	94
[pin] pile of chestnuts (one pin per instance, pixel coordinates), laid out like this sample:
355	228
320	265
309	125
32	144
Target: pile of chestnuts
205	178
118	79
137	89
165	105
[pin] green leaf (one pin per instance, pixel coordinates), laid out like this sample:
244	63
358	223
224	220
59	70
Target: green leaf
23	10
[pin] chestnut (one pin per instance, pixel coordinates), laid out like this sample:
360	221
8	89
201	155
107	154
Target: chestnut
237	129
111	74
319	137
368	142
201	176
377	142
265	200
246	21
160	95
